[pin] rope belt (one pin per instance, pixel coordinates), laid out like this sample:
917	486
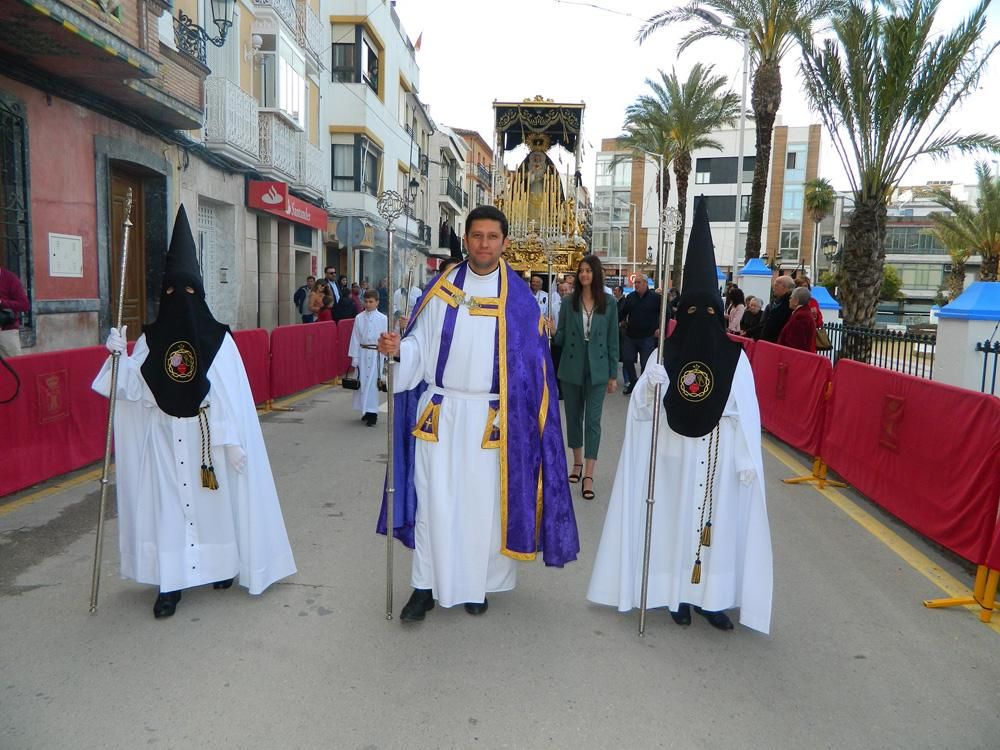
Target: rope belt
207	470
708	501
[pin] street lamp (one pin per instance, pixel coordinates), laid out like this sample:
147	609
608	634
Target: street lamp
222	16
714	20
830	251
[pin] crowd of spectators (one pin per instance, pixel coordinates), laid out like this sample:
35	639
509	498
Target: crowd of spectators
791	318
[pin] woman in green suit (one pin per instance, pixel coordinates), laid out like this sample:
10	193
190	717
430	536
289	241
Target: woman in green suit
588	367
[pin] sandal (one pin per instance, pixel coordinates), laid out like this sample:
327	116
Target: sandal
575	476
589	494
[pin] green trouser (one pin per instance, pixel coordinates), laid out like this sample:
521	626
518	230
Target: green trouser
584	404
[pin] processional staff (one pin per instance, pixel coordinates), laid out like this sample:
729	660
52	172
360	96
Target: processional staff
390	207
95	578
671	222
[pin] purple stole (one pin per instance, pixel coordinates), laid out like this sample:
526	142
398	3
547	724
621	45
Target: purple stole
536	510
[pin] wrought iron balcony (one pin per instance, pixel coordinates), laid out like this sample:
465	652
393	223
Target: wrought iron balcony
308	30
285	9
483	174
231	124
279	146
311	173
188	37
453	190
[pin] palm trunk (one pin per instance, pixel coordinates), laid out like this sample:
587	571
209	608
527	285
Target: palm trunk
955	280
766	98
864	258
988	270
682	171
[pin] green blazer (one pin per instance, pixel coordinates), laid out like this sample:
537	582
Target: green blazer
602	353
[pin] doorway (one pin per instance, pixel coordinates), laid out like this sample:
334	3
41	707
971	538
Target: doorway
134	299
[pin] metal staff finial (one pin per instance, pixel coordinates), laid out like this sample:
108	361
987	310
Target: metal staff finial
95	578
671	222
390	207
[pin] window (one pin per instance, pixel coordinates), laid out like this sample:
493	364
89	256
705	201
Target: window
343	167
721	170
302	235
620	208
921	276
370	158
369	63
791	202
790	160
292	92
721	208
744	208
789	243
15	217
795	163
343	66
915	240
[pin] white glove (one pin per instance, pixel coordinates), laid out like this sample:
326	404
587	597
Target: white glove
655	374
236	458
116	340
747	476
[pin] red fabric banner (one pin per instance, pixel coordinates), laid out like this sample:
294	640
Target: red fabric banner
791	390
255	351
294	358
993	558
745	342
329	350
57	423
344	330
927	452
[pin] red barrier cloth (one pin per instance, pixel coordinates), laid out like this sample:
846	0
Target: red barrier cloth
927	452
791	390
993	558
294	358
344	330
255	351
746	343
329	350
57	423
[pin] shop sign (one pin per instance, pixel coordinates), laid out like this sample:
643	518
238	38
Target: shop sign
274	198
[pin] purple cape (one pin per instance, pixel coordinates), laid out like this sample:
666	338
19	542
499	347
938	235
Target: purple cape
536	510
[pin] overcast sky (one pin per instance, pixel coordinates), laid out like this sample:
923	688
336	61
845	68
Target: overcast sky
476	51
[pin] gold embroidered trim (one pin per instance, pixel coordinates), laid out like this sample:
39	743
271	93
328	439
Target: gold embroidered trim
491	435
427	425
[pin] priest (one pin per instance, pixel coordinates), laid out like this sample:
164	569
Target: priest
480	466
196	499
711	545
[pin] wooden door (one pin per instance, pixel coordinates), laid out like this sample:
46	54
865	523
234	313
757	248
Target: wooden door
134	308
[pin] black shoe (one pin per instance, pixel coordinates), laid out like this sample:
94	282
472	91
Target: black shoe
718	620
421	602
683	615
372	419
474	608
223	584
628	389
166	604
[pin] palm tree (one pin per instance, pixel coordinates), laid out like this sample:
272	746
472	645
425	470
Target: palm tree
972	229
884	87
686	112
819	198
772	27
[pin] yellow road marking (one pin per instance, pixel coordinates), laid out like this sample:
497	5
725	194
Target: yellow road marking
910	554
94	475
88	476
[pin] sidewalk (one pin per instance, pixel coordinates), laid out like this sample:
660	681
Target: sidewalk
853	660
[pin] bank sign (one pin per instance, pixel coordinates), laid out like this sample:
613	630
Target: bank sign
274	198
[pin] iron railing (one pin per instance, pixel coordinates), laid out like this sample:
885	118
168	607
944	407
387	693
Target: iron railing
453	190
989	350
911	353
188	38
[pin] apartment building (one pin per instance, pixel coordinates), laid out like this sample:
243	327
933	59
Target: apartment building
478	182
626	215
448	170
379	136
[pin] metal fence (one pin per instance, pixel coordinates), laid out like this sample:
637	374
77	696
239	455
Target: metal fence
912	353
991	358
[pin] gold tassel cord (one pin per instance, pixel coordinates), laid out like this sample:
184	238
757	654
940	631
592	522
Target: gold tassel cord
706	535
707	504
208	478
696	572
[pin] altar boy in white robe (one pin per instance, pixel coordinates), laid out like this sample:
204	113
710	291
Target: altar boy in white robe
363	351
711	545
196	498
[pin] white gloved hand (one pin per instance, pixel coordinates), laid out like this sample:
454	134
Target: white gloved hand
116	340
655	374
236	458
747	476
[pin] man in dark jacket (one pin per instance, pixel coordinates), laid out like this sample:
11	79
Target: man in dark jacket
778	312
642	323
301	298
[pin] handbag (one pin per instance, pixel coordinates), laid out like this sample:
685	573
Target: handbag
823	341
7	316
351	384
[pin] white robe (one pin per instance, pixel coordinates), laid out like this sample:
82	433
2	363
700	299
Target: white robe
173	532
367	327
737	567
457	532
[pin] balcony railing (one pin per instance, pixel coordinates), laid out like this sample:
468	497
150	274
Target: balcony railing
483	174
308	30
188	39
279	146
284	8
231	118
453	190
310	168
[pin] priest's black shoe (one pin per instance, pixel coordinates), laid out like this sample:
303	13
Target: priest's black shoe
421	602
627	390
718	620
166	604
474	608
683	615
223	584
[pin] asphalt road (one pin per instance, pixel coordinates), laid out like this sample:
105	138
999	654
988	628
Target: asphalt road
853	659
